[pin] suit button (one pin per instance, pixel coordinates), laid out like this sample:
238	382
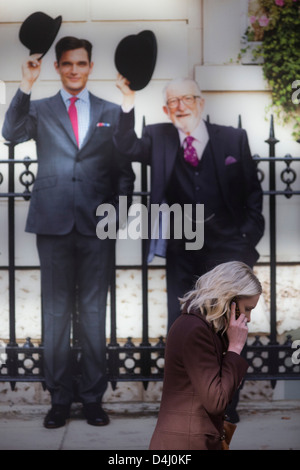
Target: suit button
73	179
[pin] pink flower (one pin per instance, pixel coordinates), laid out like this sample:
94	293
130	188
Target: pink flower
280	3
252	19
263	20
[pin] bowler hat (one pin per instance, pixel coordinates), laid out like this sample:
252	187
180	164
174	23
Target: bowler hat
38	32
135	58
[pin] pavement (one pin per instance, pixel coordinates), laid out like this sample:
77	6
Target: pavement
262	426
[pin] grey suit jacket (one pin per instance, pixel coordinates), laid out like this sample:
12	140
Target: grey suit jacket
70	182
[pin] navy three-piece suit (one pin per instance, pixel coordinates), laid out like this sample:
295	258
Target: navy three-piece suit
225	181
76	266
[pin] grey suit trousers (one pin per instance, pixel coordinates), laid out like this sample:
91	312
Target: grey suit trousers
75	263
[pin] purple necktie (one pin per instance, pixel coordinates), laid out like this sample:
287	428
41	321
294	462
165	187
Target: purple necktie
190	154
74	118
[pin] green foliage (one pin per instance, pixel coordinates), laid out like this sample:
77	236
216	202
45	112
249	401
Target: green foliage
281	52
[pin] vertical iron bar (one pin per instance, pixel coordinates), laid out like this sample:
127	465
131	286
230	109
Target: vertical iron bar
11	352
145	329
11	245
144	270
113	309
273	359
240	122
144	185
113	354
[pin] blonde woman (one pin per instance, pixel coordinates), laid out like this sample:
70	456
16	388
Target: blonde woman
203	365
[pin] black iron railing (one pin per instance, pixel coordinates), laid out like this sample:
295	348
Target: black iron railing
144	362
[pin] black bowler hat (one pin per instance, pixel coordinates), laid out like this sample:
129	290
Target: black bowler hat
38	32
135	58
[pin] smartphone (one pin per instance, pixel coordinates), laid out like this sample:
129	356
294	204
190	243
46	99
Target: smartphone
237	310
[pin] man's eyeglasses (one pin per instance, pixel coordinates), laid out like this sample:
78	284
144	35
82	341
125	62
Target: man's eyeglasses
188	100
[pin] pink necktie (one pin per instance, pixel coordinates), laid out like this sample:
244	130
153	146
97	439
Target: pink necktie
190	154
74	118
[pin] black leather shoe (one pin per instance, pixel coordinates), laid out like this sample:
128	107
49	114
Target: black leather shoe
95	414
57	416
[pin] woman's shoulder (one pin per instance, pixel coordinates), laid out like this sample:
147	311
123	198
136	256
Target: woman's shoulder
190	321
195	314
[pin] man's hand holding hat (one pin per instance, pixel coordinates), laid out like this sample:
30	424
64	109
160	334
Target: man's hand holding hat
128	94
31	69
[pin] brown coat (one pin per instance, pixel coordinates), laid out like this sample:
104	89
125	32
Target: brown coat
199	381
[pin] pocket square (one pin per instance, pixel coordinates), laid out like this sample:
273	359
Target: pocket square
103	124
230	160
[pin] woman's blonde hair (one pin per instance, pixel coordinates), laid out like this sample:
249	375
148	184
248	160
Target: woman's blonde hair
215	290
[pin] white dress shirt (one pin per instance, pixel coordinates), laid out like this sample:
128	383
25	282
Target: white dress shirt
83	110
200	135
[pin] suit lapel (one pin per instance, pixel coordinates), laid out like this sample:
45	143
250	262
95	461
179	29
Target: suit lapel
96	106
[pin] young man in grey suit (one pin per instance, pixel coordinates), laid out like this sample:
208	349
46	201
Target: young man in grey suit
79	168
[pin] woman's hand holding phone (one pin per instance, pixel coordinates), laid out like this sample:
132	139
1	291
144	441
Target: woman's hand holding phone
237	331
